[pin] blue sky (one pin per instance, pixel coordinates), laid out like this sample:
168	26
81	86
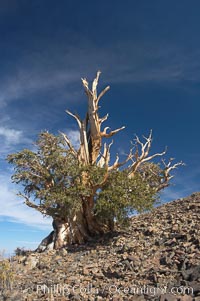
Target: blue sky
148	52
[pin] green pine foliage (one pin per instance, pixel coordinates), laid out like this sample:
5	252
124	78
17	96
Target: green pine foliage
122	196
55	183
6	274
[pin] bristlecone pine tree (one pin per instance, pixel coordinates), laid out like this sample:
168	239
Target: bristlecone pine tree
83	193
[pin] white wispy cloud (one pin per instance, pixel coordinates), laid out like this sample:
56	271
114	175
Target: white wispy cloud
11	138
57	67
132	62
28	82
74	137
14	210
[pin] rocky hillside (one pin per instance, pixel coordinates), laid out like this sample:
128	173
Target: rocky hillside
156	258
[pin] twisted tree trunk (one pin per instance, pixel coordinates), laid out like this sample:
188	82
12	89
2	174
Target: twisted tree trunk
80	226
77	229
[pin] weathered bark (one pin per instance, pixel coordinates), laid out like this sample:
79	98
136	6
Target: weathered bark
77	229
141	156
90	128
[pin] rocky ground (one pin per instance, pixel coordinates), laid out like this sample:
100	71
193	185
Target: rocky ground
156	258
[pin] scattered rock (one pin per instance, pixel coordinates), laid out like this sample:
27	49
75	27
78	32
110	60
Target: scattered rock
157	258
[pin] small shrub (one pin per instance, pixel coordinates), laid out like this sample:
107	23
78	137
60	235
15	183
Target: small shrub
6	274
21	251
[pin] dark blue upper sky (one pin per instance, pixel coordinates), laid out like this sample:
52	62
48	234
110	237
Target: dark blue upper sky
148	52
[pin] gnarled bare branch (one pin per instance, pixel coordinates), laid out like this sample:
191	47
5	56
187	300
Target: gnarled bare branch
69	144
39	208
168	167
108	135
102	94
76	117
95	84
118	164
142	153
94	121
83	152
105	157
101	120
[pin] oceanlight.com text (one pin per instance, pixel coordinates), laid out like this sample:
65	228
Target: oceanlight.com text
65	290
